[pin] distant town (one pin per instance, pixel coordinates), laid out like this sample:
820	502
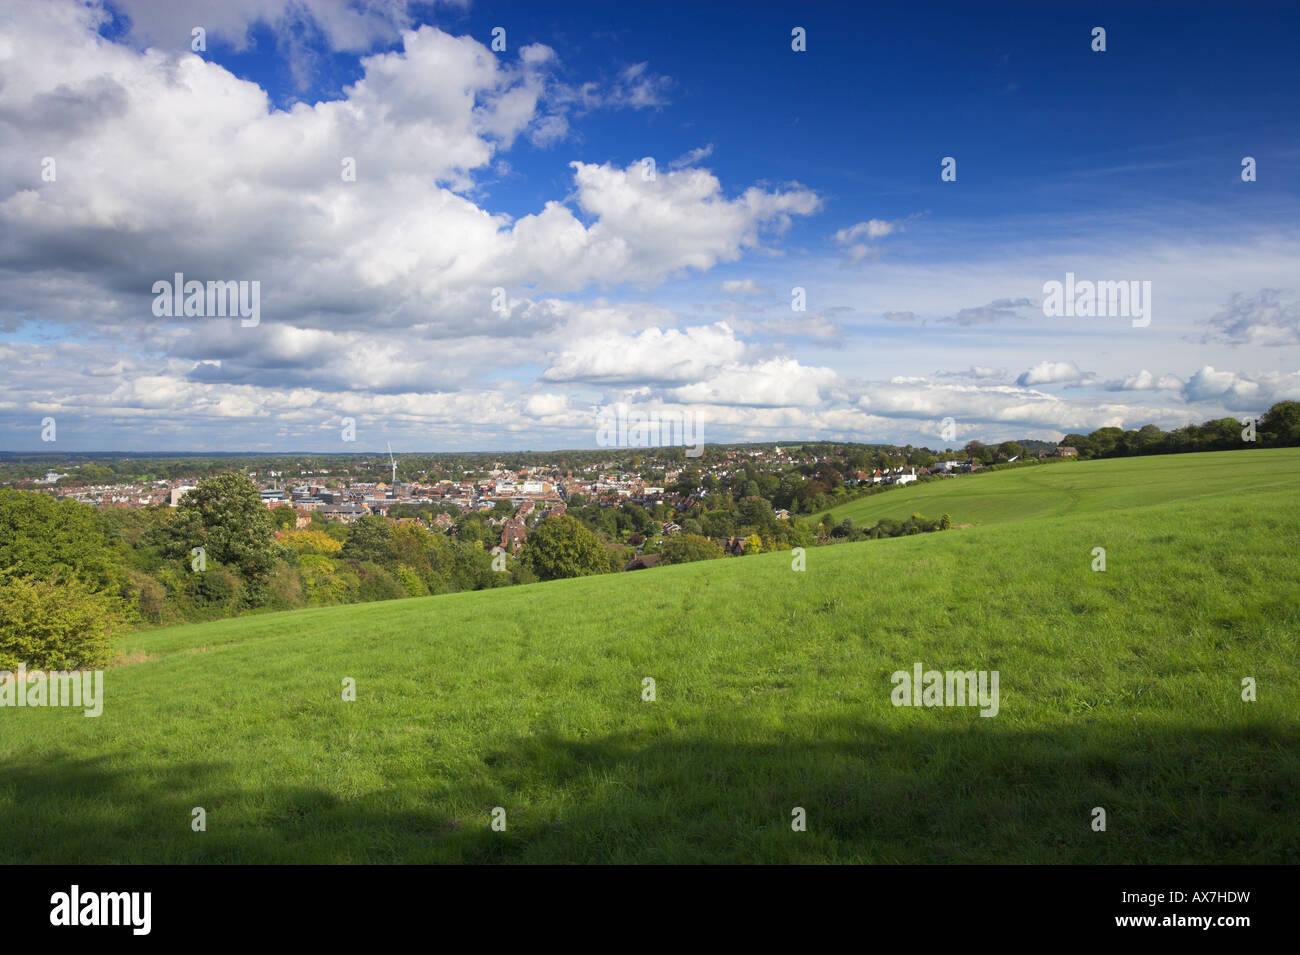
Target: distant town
436	489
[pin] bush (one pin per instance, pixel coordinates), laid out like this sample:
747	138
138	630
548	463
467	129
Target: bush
59	624
286	589
326	583
310	542
378	584
410	581
148	595
218	586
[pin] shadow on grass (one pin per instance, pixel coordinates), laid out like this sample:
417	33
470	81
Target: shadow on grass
960	792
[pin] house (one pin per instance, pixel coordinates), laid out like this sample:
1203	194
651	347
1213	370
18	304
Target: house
513	535
301	518
347	513
1067	452
733	546
641	562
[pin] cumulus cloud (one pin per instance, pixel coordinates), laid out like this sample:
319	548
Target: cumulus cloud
1242	392
653	355
1053	372
379	295
196	167
352	25
1145	381
775	383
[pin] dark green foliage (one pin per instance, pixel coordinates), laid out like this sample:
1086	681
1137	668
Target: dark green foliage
225	516
39	536
563	547
685	548
370	538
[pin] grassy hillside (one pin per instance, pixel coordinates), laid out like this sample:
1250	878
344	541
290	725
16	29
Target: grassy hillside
1119	689
1080	487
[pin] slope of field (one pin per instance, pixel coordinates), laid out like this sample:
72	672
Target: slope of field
1119	689
1065	487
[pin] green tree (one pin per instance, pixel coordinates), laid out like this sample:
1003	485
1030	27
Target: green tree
284	518
685	548
225	516
562	547
755	512
39	536
1009	449
369	539
1280	425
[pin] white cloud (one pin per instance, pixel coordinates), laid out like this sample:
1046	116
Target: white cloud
196	168
1260	319
871	229
691	157
1243	392
775	383
655	355
1051	372
1145	381
376	293
743	287
851	237
353	25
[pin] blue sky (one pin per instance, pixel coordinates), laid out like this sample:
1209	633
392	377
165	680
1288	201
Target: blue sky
523	170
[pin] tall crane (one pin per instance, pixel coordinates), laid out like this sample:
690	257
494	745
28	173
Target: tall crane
393	460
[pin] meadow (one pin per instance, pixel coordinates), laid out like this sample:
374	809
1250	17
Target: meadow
1119	689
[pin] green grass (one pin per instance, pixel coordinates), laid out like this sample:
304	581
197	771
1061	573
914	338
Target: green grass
1063	488
1119	689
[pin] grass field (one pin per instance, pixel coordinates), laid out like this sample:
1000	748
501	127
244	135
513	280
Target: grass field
1062	488
1119	689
